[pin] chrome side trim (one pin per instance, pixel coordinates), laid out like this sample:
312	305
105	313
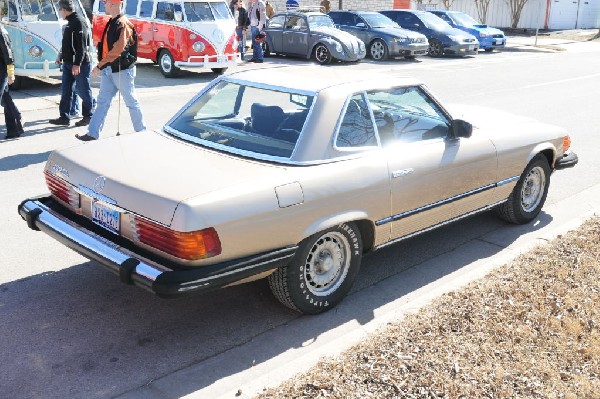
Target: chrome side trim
506	181
434	205
485	208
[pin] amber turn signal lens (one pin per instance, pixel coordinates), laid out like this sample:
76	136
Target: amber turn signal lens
566	143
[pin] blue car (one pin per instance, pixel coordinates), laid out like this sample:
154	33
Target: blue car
443	39
489	38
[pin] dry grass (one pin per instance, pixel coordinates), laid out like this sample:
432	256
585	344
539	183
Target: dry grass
530	329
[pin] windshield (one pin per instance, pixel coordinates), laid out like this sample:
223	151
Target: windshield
203	11
237	117
314	21
433	21
38	10
463	19
378	21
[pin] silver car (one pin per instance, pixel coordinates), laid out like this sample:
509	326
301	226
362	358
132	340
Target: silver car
383	37
291	174
311	35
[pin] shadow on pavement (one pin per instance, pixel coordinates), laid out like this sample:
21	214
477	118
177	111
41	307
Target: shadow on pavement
19	161
78	332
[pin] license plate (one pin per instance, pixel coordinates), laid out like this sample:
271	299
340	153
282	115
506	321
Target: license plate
498	41
471	47
105	217
221	59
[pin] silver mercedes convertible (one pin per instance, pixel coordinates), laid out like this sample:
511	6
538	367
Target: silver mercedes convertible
291	175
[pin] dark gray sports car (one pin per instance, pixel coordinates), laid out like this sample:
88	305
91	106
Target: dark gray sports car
383	37
312	35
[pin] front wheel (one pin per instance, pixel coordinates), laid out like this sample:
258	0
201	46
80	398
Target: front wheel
322	271
378	50
435	48
528	196
489	50
322	54
219	71
166	63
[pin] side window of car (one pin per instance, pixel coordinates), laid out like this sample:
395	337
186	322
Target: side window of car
356	128
296	23
346	19
359	20
131	7
277	22
165	11
335	17
146	9
407	114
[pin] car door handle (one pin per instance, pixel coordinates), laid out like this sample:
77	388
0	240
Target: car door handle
155	30
402	172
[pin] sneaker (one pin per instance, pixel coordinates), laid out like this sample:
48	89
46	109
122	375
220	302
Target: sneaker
84	137
60	122
83	122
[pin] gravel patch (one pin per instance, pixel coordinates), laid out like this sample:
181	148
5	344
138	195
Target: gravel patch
530	329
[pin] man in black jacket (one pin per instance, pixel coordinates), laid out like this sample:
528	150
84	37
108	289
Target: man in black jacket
76	66
242	22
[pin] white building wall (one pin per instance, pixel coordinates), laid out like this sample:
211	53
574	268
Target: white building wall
532	17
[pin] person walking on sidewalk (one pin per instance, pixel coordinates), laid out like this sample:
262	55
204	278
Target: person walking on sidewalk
117	53
76	68
258	19
12	116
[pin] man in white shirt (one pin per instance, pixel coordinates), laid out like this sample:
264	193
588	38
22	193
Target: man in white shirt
258	19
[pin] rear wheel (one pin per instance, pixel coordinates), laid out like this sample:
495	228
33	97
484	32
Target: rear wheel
166	63
322	54
528	196
322	271
378	50
435	48
266	49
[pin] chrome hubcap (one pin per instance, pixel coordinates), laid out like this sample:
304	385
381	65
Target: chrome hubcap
327	264
165	62
533	189
377	50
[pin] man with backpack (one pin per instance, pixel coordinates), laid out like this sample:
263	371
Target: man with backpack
117	53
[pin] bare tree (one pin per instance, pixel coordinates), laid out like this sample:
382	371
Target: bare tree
482	9
448	3
516	6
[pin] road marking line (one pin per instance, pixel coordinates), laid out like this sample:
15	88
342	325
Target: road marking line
562	81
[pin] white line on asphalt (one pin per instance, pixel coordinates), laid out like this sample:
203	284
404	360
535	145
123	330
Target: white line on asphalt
562	81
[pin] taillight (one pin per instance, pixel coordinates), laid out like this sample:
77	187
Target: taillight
191	245
566	143
61	189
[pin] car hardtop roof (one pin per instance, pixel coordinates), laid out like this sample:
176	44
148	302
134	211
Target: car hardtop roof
409	11
313	79
296	12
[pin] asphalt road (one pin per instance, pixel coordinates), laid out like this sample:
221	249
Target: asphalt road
70	329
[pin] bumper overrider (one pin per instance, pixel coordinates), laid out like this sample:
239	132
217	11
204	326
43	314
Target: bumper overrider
568	160
139	267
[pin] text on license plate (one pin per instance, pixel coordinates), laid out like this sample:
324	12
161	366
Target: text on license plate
105	217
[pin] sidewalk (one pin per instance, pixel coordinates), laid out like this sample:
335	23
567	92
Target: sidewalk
550	41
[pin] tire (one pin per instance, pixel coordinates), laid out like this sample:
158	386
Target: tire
435	48
410	57
166	63
266	49
528	197
218	71
322	54
378	50
322	272
489	50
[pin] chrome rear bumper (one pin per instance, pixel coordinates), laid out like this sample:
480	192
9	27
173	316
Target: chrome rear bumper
157	275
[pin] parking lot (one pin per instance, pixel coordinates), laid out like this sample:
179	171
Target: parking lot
70	329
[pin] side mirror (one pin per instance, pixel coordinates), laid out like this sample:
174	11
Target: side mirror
461	128
361	25
178	16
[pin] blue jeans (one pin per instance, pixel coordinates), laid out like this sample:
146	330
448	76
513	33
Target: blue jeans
84	90
110	83
241	34
256	47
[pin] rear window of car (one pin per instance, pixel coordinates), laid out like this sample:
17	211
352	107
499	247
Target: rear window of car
240	118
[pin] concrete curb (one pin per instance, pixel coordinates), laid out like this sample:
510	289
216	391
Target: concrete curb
247	370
